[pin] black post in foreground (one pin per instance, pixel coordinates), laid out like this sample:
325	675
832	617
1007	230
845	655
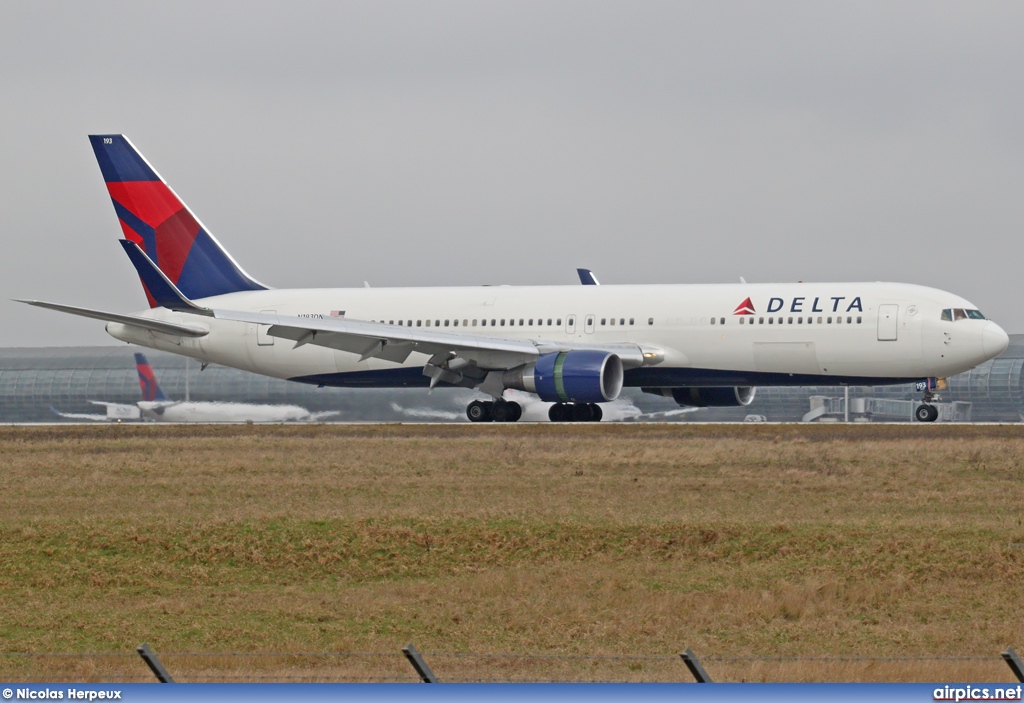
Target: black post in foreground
416	659
149	656
1014	662
693	664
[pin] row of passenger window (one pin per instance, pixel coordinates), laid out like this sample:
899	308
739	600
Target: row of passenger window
838	320
510	322
523	322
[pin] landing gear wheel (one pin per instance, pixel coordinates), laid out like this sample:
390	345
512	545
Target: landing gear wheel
501	412
582	412
598	413
479	411
557	412
926	413
516	411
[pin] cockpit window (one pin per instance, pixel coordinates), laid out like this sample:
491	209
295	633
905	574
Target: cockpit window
953	314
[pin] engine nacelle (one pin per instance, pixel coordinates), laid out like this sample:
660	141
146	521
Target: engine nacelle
579	376
727	397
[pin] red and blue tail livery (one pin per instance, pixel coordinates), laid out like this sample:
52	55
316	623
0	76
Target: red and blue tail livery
147	380
152	216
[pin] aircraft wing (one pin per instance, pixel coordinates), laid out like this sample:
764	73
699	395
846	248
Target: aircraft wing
455	358
134	320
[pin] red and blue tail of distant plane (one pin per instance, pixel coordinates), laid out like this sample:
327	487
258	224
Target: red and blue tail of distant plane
147	380
152	216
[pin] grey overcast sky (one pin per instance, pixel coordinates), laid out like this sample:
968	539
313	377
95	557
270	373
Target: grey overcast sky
463	143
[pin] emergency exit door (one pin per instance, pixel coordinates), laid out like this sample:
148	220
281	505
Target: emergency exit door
887	315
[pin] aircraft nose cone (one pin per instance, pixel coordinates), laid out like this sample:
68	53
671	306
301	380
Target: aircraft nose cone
994	340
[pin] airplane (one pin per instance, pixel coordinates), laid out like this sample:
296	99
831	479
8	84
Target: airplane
703	345
156	406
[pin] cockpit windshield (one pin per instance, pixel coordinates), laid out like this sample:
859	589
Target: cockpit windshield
954	314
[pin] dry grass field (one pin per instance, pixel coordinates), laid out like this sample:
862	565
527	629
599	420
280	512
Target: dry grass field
627	541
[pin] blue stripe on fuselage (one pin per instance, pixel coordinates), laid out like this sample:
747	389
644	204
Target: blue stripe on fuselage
412	377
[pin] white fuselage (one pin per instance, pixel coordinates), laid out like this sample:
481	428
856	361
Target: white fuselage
199	411
796	331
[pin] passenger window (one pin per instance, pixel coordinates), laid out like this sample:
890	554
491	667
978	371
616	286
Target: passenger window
437	323
650	320
830	319
760	320
714	320
503	322
741	321
446	323
474	323
858	319
531	322
771	320
839	320
419	323
790	321
849	320
465	323
549	322
399	323
520	322
604	320
559	322
799	320
631	320
455	323
493	321
819	320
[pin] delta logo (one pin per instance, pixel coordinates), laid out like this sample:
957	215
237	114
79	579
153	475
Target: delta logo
801	304
744	308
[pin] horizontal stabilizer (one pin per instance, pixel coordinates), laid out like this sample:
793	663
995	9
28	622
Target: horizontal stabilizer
133	320
165	293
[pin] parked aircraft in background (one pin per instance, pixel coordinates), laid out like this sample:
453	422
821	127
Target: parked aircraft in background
574	346
156	406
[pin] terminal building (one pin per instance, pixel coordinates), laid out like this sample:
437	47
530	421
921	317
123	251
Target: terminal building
35	381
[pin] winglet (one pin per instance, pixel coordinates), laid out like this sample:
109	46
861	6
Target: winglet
159	287
587	277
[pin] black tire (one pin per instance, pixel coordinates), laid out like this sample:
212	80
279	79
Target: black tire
516	410
479	411
598	413
501	412
926	413
556	413
582	412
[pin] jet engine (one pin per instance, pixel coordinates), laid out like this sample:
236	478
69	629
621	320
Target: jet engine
578	376
727	397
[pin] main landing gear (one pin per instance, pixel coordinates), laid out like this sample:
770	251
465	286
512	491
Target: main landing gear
575	412
494	411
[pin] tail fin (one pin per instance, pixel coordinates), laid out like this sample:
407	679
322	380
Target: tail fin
147	380
153	217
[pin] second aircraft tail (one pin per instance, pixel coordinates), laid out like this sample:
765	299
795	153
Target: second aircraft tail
147	380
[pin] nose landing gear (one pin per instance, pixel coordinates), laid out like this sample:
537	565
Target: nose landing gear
926	412
496	411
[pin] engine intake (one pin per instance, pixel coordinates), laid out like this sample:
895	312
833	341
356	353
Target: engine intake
727	397
579	376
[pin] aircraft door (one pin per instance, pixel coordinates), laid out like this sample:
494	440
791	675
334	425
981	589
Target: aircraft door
570	324
588	325
262	338
887	316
